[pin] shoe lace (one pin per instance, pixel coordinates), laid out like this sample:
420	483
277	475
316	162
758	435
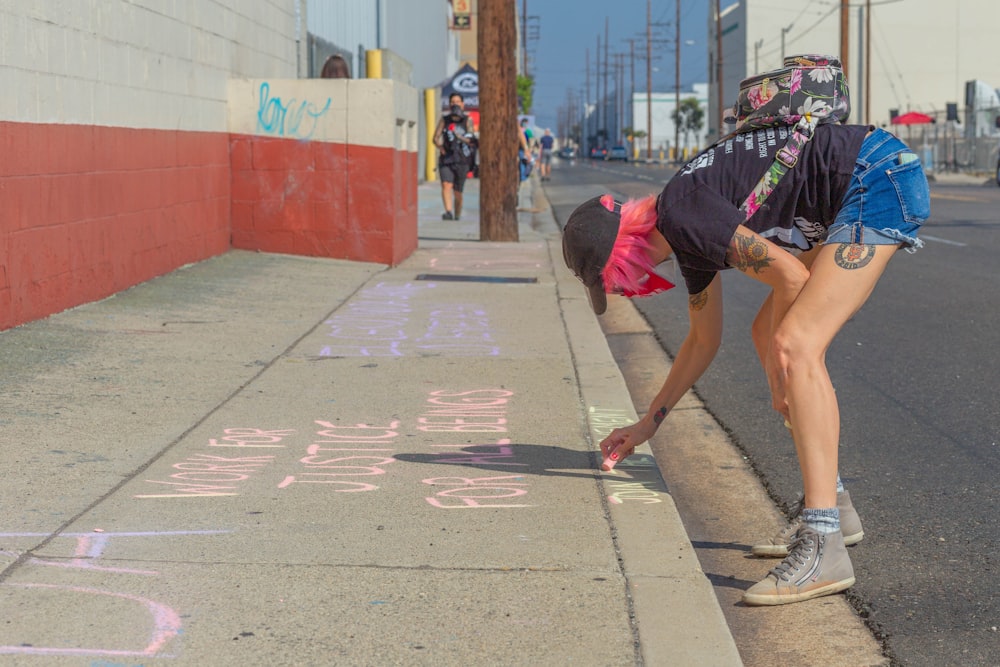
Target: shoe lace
795	521
798	555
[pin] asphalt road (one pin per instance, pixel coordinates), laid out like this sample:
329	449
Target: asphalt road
915	373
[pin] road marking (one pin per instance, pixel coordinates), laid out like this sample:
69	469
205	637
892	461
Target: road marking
938	240
938	195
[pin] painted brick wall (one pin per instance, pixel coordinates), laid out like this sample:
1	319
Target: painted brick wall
325	168
119	162
114	150
88	211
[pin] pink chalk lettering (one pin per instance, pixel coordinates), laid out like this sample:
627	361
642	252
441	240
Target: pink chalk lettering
352	487
476	492
380	432
210	468
251	437
481	454
489	394
165	621
367	461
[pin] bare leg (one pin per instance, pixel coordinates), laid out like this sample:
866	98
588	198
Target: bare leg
458	204
447	193
838	286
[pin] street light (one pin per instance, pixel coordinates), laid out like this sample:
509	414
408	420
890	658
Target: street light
783	31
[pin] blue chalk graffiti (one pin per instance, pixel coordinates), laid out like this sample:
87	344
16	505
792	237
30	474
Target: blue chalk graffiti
291	119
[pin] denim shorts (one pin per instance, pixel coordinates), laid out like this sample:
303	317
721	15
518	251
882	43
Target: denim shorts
888	197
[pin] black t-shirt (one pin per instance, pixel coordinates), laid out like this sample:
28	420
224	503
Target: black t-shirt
699	209
456	151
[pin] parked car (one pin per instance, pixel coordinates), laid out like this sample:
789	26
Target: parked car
598	153
567	153
617	153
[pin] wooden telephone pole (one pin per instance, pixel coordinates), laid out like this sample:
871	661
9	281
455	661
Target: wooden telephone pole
498	162
845	38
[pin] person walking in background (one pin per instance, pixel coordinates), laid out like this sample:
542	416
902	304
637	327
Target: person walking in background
453	137
525	159
821	243
547	142
335	67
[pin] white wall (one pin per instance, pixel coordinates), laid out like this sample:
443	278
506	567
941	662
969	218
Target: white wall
663	122
142	63
922	51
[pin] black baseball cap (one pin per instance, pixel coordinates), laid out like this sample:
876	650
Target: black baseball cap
588	238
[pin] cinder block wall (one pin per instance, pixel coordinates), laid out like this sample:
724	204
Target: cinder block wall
325	167
117	161
114	147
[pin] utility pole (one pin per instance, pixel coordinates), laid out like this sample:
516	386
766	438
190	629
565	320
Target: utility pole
585	146
718	62
868	60
497	37
597	84
524	37
607	22
845	37
620	125
677	82
631	93
649	80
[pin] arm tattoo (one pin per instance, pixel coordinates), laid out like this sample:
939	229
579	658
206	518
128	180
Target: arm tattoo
698	301
660	415
746	252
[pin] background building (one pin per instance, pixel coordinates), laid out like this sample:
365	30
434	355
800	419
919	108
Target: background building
903	55
663	122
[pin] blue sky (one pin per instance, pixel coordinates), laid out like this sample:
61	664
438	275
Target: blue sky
567	28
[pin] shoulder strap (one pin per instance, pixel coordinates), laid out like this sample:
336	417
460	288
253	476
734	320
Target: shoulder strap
786	158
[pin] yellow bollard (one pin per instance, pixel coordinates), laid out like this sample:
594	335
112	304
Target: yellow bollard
430	118
373	63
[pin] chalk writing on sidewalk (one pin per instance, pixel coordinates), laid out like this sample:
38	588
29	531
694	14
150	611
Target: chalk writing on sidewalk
165	622
644	483
359	450
201	475
377	323
473	411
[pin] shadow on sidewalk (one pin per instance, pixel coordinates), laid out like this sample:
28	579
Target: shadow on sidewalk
515	458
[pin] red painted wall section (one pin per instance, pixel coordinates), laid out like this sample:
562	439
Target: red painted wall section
87	211
324	199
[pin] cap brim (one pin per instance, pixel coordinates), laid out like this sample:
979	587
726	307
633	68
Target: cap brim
598	299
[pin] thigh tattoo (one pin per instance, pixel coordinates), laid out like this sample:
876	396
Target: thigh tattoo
852	256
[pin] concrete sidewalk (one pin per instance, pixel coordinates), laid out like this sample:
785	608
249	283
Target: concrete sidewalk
277	460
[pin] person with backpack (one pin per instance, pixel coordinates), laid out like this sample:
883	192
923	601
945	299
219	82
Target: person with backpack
815	212
547	143
454	138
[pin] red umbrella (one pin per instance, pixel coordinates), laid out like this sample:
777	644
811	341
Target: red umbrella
912	118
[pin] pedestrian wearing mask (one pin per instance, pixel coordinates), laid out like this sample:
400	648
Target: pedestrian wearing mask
453	138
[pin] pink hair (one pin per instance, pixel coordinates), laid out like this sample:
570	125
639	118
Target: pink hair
628	266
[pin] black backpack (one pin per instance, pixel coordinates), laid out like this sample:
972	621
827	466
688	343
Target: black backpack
454	149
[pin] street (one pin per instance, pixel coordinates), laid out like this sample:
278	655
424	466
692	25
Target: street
915	373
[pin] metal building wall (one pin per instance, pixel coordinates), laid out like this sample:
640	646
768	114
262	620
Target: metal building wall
417	30
348	27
